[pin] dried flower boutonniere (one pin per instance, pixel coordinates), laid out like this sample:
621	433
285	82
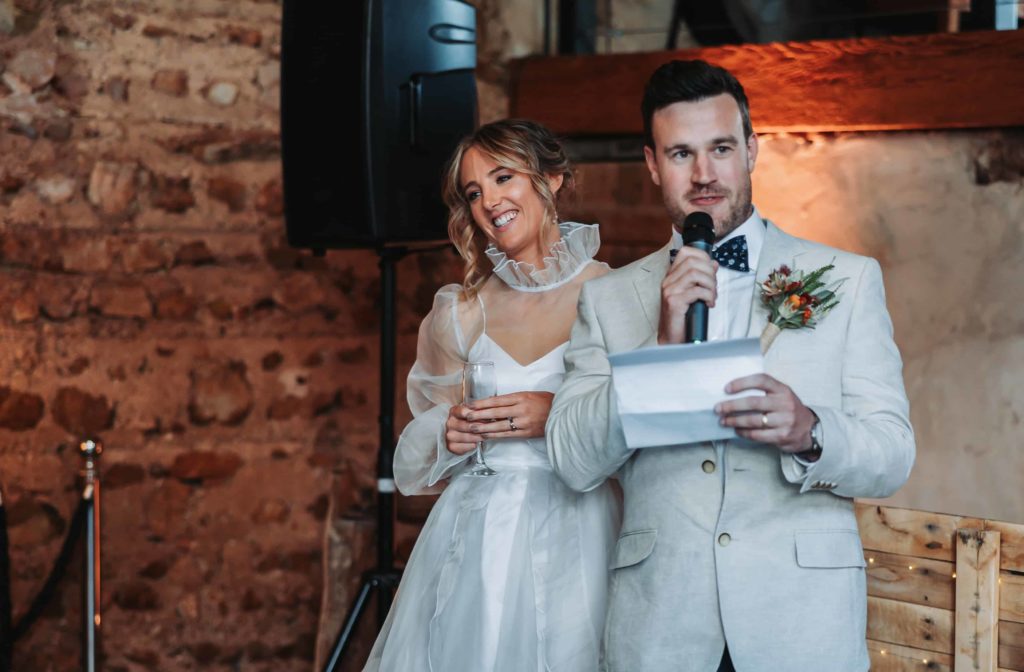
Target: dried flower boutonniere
796	300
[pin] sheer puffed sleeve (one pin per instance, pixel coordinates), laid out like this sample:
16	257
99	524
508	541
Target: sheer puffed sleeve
422	459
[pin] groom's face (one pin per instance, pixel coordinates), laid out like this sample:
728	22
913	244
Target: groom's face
702	162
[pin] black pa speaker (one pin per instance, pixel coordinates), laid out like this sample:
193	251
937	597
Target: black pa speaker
375	94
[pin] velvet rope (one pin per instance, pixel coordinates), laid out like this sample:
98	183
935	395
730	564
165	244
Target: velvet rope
60	566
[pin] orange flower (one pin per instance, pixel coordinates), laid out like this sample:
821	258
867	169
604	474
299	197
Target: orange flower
806	315
794	301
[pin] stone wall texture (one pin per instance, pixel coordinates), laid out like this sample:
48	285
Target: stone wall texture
147	296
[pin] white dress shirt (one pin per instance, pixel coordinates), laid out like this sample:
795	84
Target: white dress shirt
730	317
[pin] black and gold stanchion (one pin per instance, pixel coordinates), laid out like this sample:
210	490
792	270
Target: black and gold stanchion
6	631
91	619
86	518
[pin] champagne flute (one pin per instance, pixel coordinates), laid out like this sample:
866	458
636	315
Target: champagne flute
479	382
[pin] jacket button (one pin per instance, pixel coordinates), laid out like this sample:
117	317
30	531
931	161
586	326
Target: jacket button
708	467
724	539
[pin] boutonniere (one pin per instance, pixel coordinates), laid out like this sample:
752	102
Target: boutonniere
796	300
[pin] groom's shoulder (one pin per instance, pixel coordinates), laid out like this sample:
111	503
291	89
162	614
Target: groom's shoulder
625	274
842	259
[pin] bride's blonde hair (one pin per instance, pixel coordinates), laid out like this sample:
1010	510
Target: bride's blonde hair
516	144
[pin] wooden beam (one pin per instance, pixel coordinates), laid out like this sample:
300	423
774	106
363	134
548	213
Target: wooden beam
913	625
895	658
1011	645
931	535
1011	597
910	532
977	600
1012	551
908	579
963	80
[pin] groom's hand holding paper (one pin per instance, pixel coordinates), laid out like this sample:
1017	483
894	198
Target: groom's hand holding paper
667	395
778	417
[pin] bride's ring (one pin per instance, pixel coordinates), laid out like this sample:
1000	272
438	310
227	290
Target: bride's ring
764	420
512	424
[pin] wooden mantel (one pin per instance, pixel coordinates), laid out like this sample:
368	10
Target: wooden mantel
943	81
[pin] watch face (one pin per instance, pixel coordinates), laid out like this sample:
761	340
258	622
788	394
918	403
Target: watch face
816	436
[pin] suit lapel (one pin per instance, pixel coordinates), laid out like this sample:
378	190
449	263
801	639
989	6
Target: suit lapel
779	248
647	283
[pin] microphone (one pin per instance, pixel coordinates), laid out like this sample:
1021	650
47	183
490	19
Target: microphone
699	232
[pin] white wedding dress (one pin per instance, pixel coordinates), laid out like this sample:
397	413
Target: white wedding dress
509	573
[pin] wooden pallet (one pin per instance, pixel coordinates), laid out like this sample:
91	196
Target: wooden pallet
944	592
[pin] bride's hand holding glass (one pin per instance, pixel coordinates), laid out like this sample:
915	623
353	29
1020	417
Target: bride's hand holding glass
520	415
457	434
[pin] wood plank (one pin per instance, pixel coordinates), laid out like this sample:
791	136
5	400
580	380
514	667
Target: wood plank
931	535
892	83
1012	549
977	599
908	579
909	532
895	658
1011	597
913	625
1011	645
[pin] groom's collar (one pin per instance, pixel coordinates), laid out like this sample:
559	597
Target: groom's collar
753	228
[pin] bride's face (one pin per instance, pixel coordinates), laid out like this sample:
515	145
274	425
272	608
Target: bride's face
506	207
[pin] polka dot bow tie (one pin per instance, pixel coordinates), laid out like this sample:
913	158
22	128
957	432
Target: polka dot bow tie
732	254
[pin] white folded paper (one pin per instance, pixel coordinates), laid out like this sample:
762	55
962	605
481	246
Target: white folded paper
667	394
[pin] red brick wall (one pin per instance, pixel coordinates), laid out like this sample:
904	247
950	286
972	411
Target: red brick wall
147	295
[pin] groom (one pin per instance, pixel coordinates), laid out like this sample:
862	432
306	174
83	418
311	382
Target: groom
740	554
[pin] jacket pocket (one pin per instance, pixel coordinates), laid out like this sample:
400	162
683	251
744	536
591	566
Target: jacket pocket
829	548
633	547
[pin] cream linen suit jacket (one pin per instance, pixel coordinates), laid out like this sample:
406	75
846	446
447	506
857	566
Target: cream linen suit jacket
736	541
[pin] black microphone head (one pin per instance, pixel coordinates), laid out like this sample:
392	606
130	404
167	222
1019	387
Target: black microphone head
698	226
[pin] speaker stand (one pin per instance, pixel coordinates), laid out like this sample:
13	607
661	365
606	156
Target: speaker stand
384	578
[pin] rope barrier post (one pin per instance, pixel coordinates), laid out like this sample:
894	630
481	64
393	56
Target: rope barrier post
91	450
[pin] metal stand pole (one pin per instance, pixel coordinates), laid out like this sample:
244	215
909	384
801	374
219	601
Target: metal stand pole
385	577
91	450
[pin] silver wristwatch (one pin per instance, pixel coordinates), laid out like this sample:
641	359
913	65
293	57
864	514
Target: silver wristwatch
816	436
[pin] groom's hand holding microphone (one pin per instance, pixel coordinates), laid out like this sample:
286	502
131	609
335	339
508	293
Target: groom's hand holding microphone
690	280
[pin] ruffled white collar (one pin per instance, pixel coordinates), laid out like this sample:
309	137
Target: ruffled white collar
569	256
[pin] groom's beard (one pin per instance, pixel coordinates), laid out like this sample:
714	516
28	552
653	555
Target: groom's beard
741	207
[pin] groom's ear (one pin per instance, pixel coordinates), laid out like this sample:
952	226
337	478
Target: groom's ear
752	147
652	165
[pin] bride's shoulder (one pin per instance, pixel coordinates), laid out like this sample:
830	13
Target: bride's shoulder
452	312
595	269
592	271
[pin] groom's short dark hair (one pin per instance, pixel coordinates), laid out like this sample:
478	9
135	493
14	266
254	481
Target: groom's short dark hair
690	82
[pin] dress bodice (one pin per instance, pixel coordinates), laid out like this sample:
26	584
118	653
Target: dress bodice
543	374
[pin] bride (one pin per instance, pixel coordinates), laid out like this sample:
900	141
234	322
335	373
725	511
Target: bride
509	572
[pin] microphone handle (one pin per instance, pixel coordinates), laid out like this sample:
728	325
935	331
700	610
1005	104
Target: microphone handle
697	322
697	313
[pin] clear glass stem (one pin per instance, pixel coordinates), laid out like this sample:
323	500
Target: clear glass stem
480	467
